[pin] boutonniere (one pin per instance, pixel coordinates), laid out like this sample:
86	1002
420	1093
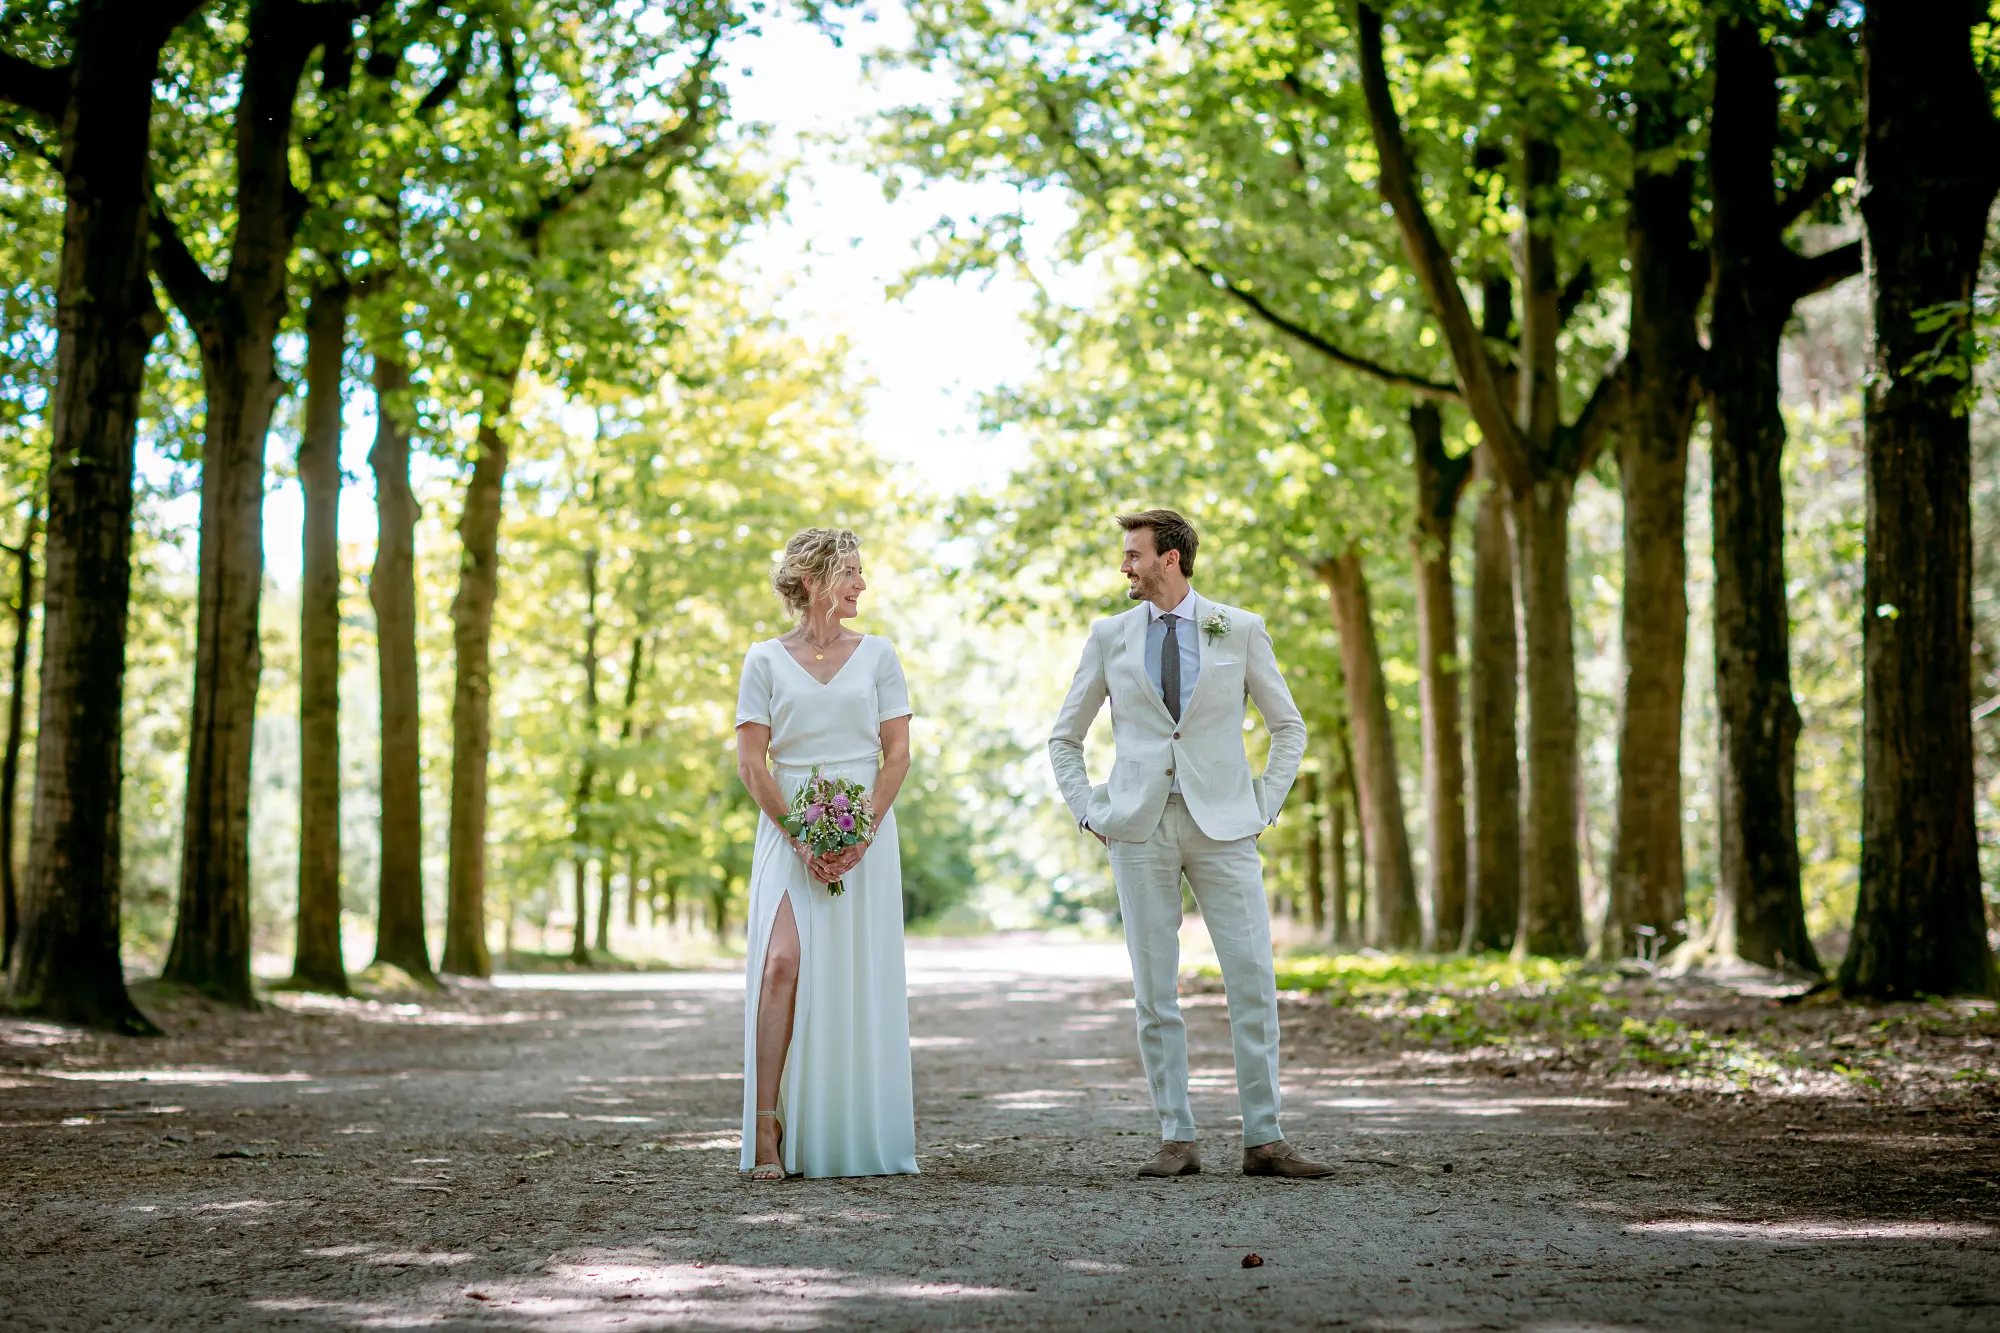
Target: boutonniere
1215	626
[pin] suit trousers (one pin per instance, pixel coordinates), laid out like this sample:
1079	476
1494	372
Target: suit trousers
1228	883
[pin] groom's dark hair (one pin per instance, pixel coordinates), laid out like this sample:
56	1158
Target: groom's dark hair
1170	532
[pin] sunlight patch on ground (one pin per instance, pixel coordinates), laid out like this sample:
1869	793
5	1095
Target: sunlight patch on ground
195	1077
620	981
382	1011
19	1032
1816	1230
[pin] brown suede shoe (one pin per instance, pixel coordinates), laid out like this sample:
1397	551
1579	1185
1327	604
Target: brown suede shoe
1175	1158
1280	1158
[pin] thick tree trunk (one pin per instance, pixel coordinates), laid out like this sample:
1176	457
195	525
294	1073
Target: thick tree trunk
10	760
1551	892
1760	909
211	948
1397	920
1647	900
1440	481
392	592
1494	676
317	962
1928	172
465	951
66	960
236	321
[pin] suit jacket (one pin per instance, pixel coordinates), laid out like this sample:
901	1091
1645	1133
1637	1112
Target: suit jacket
1204	750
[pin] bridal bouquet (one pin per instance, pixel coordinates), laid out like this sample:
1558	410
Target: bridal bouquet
828	814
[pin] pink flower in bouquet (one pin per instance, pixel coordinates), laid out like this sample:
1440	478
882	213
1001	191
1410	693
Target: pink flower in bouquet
841	803
845	823
813	813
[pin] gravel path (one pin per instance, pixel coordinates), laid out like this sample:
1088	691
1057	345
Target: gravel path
558	1153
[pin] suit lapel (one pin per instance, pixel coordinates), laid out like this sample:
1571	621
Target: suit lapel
1135	653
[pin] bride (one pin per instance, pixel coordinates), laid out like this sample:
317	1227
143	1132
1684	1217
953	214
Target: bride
826	1032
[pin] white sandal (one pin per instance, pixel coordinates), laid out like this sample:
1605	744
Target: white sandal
771	1170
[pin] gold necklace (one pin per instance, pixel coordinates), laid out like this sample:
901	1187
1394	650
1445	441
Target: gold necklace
819	654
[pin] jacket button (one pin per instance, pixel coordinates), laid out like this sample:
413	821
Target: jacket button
1170	772
1177	735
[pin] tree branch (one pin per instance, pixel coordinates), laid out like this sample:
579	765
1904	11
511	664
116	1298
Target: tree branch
1816	273
672	143
1434	266
1605	409
33	87
1812	187
455	67
1400	379
1574	293
188	284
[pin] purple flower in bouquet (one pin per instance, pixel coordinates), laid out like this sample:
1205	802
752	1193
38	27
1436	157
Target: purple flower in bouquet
829	815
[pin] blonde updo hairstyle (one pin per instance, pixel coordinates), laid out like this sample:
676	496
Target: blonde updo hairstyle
811	561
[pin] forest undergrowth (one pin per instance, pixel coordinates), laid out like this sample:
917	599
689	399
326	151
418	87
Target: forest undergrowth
1649	1031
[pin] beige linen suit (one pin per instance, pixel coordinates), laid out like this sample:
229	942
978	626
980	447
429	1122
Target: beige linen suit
1207	833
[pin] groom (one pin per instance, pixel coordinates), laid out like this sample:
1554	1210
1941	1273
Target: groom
1181	801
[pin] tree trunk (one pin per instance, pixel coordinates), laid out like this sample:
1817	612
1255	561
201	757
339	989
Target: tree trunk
1646	905
1440	482
1315	854
66	960
1337	850
392	592
1928	177
1358	931
581	821
1397	919
632	890
10	761
317	962
579	936
211	948
1496	762
465	952
604	883
1551	892
236	322
1759	906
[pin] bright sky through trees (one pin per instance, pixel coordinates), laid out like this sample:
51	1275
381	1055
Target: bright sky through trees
825	267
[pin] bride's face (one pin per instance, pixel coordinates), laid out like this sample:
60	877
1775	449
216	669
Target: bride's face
845	589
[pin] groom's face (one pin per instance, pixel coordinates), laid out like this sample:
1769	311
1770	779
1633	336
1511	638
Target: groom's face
1144	569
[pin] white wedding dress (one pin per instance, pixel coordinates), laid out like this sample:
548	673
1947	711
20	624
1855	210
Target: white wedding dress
845	1100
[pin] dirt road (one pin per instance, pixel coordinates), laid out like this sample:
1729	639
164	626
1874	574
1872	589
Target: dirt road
559	1153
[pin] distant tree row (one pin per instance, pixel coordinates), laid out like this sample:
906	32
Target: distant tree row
230	216
1366	265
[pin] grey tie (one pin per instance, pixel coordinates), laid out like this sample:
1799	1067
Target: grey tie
1170	668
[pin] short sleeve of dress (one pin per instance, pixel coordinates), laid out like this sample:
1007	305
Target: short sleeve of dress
892	692
753	695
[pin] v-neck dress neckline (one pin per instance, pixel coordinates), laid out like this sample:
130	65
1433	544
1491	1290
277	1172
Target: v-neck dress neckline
823	684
